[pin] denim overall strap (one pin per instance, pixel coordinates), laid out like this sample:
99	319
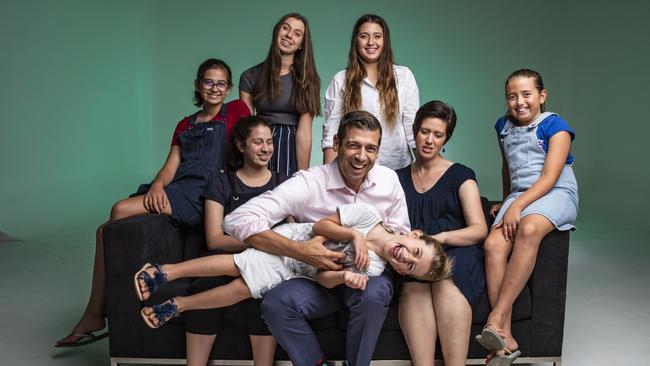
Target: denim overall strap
202	149
524	156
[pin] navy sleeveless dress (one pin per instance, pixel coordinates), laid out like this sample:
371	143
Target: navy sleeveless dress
438	210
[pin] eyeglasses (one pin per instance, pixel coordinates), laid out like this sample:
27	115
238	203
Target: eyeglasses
221	85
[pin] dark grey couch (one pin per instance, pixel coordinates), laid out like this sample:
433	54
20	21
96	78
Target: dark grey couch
538	315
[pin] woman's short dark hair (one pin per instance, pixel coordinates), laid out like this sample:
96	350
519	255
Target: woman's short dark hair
436	109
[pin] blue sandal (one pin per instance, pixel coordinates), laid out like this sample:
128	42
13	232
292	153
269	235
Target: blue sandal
159	279
163	313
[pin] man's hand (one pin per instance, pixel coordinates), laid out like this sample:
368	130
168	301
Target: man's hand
313	252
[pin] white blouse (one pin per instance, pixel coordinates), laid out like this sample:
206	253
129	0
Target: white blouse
396	145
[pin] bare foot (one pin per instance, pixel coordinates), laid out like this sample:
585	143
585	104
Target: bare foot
89	323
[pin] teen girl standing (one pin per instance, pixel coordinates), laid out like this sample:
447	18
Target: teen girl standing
371	82
541	195
285	90
197	149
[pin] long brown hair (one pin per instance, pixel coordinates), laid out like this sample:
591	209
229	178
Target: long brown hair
306	82
387	85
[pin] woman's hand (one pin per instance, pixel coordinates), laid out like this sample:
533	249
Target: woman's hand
511	222
355	280
155	200
441	237
361	259
494	210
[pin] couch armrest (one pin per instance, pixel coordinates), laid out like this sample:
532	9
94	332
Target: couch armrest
548	292
128	244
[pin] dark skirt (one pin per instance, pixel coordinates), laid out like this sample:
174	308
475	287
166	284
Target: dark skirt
284	150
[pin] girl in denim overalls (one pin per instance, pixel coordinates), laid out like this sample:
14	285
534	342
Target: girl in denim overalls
541	196
197	150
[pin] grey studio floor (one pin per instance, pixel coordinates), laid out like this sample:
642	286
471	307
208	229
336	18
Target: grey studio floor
44	285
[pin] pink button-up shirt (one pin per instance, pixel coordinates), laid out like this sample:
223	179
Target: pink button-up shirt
313	194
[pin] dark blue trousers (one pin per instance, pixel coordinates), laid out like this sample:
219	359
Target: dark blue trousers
287	307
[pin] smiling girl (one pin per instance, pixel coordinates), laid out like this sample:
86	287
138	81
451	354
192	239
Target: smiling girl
371	82
285	90
540	195
197	149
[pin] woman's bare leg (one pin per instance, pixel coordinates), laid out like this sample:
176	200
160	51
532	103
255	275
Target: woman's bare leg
418	322
454	321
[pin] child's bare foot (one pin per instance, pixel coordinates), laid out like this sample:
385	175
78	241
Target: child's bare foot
82	333
148	279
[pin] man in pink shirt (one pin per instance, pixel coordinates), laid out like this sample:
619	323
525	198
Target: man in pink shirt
309	196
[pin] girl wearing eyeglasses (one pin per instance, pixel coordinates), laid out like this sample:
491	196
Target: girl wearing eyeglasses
197	149
285	90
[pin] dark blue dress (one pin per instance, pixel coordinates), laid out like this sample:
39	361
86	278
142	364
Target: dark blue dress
439	209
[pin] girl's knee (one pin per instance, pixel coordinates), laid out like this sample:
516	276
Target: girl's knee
496	245
241	289
529	231
125	208
119	210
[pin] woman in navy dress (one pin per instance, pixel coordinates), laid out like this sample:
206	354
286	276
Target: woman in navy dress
443	200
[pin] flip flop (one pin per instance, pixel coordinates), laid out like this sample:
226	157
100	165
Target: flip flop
84	339
163	313
490	338
159	279
504	360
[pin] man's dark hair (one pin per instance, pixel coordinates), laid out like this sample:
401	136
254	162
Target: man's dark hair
358	119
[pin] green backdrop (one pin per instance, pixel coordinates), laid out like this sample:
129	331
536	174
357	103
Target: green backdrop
90	91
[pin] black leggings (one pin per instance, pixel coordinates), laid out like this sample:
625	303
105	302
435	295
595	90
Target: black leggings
208	322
